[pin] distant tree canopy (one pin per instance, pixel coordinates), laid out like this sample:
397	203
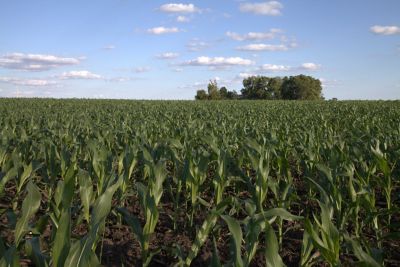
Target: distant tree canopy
215	93
299	87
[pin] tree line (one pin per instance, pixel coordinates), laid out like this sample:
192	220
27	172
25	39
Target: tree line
300	87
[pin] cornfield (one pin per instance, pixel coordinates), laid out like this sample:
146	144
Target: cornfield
182	183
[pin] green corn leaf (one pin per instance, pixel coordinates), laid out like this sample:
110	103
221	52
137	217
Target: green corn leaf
10	258
306	250
134	223
25	175
3	154
207	226
62	244
236	232
81	253
86	192
69	187
282	213
32	248
215	262
29	207
28	171
102	205
272	257
11	173
365	259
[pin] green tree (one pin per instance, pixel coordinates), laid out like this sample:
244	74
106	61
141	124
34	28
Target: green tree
256	87
213	91
274	87
201	95
301	87
232	95
223	92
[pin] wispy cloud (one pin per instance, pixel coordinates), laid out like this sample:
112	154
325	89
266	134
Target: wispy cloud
327	83
27	82
121	79
264	47
163	30
197	45
167	55
142	69
179	8
271	8
218	62
35	62
182	19
245	75
80	74
253	36
310	66
274	68
109	47
385	30
284	68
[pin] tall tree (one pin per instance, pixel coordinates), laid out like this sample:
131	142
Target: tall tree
301	87
274	87
201	95
213	91
256	87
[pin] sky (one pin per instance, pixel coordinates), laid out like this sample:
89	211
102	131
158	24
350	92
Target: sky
134	49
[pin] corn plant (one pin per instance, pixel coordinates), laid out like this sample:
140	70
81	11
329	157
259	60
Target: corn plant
150	197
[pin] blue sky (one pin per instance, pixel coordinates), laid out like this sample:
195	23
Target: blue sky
170	49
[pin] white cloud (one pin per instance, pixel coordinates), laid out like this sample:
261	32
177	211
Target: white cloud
182	19
35	62
271	8
385	30
272	67
197	45
283	68
252	36
310	66
167	55
142	69
263	47
80	74
27	82
179	8
227	15
162	30
326	83
245	75
121	79
109	47
218	62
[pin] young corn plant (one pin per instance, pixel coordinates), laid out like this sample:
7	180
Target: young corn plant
324	235
149	197
259	157
282	188
126	165
204	231
257	223
198	167
82	252
386	183
30	205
